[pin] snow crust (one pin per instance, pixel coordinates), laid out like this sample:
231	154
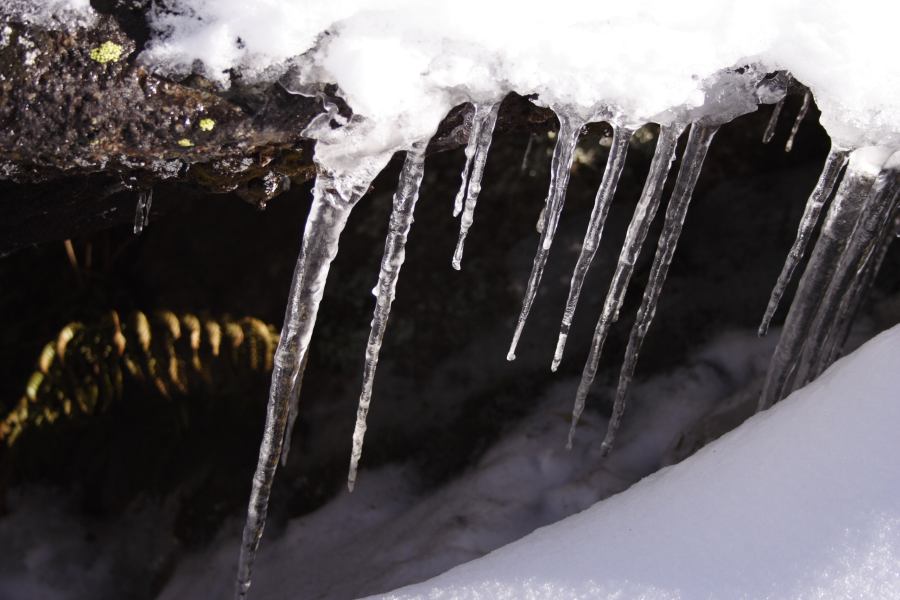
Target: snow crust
798	502
404	64
66	13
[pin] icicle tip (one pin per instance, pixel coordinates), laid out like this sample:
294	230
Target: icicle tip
558	353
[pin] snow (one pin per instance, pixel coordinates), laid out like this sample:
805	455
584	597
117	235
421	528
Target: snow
65	13
404	64
391	532
799	502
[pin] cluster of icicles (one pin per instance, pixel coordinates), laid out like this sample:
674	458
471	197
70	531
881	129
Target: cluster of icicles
858	227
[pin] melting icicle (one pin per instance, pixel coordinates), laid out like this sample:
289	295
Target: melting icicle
614	165
875	216
804	108
293	411
773	122
482	132
474	126
539	226
839	222
333	199
394	254
561	165
142	210
644	213
862	283
834	163
691	163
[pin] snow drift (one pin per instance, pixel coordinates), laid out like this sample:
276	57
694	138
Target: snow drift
798	502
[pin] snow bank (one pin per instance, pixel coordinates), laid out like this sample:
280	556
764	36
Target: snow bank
403	64
391	532
799	502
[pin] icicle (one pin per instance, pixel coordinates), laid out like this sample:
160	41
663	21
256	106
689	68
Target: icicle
861	285
142	210
563	154
644	213
482	132
333	198
804	108
394	254
614	165
834	163
474	125
539	226
526	158
773	122
691	163
839	223
875	217
293	411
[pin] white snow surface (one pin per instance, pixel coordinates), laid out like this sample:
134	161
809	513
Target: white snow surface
798	502
402	64
66	13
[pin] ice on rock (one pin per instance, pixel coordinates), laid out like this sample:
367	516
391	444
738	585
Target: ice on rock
561	164
614	165
485	118
831	171
405	199
334	196
862	169
699	139
644	212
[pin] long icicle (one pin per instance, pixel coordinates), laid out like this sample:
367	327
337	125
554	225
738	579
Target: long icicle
485	119
614	165
851	303
644	213
875	215
474	133
561	165
293	411
834	163
691	163
838	225
773	122
333	200
804	108
405	199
